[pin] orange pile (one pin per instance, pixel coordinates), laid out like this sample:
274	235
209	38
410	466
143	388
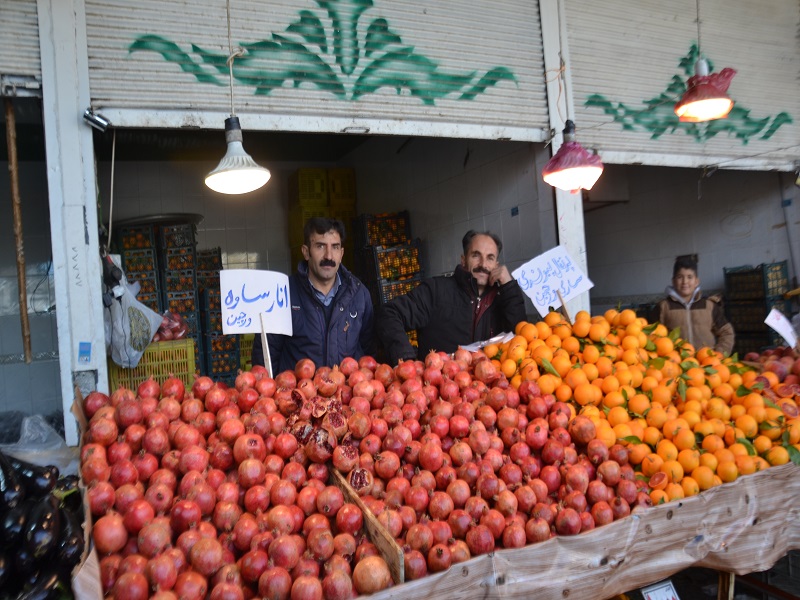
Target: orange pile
690	418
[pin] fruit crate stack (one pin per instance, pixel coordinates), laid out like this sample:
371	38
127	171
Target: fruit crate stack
308	197
751	293
221	351
342	204
209	264
137	248
387	261
178	262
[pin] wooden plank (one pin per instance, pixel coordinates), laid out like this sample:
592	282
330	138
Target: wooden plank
384	542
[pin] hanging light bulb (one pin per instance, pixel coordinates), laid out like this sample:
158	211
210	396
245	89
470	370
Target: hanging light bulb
573	167
705	98
237	172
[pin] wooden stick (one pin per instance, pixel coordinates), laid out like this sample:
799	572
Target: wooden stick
265	347
563	308
390	550
16	204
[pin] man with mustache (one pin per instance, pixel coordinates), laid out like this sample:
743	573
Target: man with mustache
478	301
331	309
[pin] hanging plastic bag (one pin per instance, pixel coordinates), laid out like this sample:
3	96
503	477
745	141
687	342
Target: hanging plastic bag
132	327
42	445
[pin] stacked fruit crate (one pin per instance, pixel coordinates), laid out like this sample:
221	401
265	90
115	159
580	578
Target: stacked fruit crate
209	264
751	293
342	203
177	247
221	351
386	259
308	197
136	245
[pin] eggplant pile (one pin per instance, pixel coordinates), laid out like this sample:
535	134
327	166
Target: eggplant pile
41	534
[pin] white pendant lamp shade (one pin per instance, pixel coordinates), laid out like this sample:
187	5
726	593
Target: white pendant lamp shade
237	172
572	168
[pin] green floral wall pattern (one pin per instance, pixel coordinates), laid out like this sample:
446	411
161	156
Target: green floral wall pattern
348	70
658	117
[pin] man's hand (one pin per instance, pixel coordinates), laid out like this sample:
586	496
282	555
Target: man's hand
499	275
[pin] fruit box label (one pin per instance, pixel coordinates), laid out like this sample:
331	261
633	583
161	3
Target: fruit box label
663	590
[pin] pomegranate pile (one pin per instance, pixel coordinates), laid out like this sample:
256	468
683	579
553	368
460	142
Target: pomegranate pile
228	493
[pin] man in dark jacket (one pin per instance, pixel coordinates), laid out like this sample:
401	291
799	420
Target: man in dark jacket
331	309
478	301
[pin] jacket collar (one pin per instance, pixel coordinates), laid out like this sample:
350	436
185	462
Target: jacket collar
466	280
670	291
347	279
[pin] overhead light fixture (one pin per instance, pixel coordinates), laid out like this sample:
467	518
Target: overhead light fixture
572	168
237	172
705	98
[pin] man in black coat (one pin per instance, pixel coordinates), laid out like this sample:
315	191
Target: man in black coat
478	301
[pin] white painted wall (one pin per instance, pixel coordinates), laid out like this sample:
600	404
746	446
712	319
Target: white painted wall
452	186
729	218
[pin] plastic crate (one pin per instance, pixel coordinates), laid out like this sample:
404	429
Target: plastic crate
348	218
342	188
211	299
395	262
308	188
383	229
182	303
192	322
749	342
383	291
180	281
763	281
217	342
138	237
151	301
208	280
177	236
748	316
212	321
298	218
137	261
160	360
209	259
221	364
178	259
246	351
148	281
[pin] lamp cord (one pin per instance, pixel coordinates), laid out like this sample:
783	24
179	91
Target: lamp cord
111	193
231	56
699	45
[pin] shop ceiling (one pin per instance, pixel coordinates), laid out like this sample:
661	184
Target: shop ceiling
163	144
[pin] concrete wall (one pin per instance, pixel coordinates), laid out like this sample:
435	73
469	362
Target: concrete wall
28	388
729	218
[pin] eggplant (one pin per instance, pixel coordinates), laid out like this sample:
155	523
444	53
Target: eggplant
12	525
5	570
43	527
12	492
37	481
24	562
71	542
68	492
47	587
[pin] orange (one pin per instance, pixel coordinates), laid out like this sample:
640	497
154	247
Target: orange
673	469
622	430
717	408
657	416
613	399
598	331
491	350
661	394
727	471
542	353
574	377
590	371
582	315
737	410
777	455
651	436
724	391
712	443
606	434
675	491
553	341
651	464
585	394
724	455
704	477
704	428
659	497
626	317
548	383
639	404
553	318
709	460
612	316
561	364
759	413
672	426
684	439
664	346
691	417
732	434
689	459
528	331
581	328
748	425
563	393
605	366
637	452
591	354
689	486
610	384
746	464
696	376
658	481
762	443
617	415
667	450
543	329
509	368
771	378
571	344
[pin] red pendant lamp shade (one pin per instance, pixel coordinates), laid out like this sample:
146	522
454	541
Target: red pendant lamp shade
573	167
705	98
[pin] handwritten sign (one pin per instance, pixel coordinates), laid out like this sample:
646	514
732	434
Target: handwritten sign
544	276
246	294
778	321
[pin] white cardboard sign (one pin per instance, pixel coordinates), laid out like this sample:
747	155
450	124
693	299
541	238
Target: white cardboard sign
542	277
778	321
246	294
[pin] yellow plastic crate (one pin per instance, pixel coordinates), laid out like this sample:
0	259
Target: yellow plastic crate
308	188
298	218
246	351
160	359
342	188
